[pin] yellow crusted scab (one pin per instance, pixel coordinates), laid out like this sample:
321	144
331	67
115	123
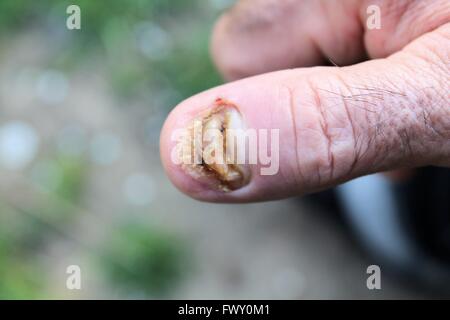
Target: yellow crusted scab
207	157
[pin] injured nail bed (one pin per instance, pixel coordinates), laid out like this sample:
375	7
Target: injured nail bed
207	148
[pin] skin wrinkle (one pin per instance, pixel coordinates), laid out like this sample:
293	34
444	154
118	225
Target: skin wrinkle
378	138
439	67
388	114
346	101
435	99
292	108
408	136
350	98
353	129
434	133
391	139
426	120
377	93
362	154
324	128
379	125
422	99
406	144
426	114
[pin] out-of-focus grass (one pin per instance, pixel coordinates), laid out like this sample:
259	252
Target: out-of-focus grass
144	260
109	30
20	279
20	273
25	231
15	15
63	176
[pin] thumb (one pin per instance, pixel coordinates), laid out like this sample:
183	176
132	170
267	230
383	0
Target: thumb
310	129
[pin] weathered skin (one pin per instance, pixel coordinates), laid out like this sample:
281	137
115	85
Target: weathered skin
335	123
218	170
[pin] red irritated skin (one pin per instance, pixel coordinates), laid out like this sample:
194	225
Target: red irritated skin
333	124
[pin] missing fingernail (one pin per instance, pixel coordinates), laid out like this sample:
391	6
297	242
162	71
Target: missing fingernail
207	152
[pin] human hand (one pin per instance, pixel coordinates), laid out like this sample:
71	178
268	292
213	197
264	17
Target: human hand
335	123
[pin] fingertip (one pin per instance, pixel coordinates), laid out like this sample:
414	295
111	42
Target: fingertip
181	176
260	108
